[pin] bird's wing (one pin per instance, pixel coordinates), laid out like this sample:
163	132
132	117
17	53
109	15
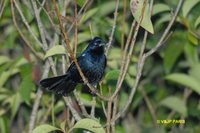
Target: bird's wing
72	67
74	71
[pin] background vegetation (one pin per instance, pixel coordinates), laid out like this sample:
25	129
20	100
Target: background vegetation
32	46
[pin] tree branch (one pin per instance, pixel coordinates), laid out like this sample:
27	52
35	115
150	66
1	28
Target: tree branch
113	27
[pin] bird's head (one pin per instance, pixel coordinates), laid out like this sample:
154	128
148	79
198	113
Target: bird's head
97	45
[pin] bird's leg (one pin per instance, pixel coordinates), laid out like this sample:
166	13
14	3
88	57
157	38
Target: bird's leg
94	90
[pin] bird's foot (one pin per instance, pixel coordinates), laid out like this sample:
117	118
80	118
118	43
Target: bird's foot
94	92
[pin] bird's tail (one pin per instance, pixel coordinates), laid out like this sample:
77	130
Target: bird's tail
60	84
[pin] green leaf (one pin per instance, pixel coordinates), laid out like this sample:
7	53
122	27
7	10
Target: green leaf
45	128
191	54
158	8
175	46
195	71
4	94
112	75
26	87
123	99
80	2
57	49
164	18
192	38
15	102
88	15
188	5
58	106
4	124
129	80
63	125
89	124
132	70
197	22
114	54
185	80
136	9
175	104
20	61
86	100
82	37
4	59
2	111
107	8
26	69
5	75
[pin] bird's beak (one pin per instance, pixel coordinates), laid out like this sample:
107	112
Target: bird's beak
103	44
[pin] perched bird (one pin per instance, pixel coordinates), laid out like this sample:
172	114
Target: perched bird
92	62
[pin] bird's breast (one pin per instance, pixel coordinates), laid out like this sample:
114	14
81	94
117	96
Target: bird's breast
95	68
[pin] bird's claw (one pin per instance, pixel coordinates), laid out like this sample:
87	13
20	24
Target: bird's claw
94	92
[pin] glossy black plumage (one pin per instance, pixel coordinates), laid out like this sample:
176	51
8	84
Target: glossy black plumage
92	63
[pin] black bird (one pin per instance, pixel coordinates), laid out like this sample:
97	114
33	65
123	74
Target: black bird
92	62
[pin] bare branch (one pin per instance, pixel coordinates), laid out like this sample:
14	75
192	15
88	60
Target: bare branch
78	16
2	7
92	112
149	105
113	27
69	104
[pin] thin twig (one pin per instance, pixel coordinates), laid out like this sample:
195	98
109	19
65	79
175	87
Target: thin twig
45	117
2	7
80	103
123	23
113	27
186	94
102	102
92	112
76	27
48	16
149	105
75	114
41	5
91	31
109	111
78	16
